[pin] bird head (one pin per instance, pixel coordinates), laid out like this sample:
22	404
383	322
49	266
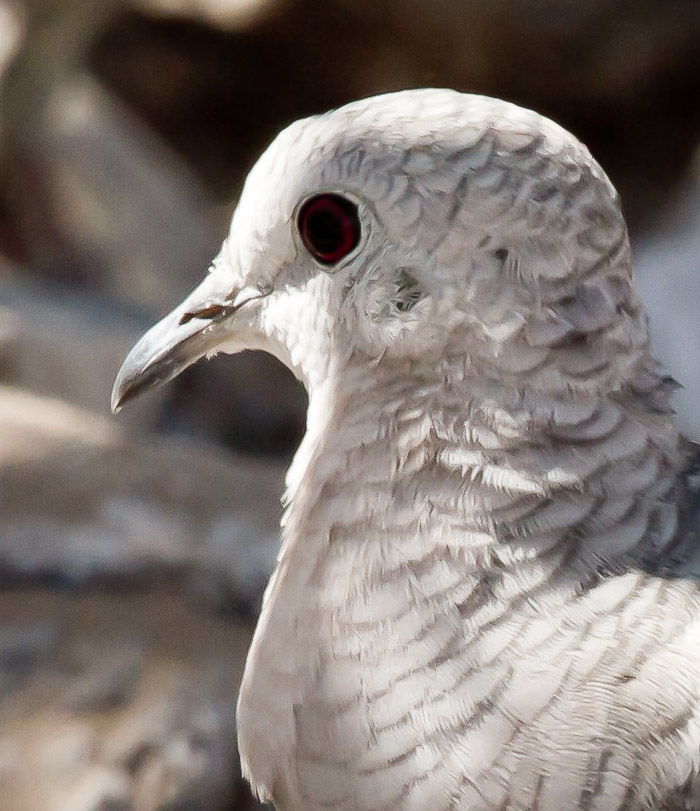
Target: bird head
412	228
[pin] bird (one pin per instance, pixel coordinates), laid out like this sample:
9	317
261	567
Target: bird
485	596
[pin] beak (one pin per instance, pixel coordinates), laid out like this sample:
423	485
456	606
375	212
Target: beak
193	329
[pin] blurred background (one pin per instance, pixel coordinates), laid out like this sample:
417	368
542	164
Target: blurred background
133	550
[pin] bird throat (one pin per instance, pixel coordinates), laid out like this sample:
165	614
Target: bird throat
492	475
428	528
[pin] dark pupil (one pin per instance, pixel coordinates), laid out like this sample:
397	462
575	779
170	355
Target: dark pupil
330	227
326	229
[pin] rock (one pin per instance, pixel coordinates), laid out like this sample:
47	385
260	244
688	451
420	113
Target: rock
93	196
163	741
128	575
56	342
134	218
121	512
618	74
59	343
248	402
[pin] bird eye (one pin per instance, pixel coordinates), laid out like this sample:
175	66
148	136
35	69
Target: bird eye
329	227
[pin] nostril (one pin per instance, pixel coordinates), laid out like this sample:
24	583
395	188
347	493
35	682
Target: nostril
206	312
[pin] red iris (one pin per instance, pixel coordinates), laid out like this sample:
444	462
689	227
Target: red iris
329	227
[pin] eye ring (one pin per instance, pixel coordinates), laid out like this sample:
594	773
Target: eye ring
329	227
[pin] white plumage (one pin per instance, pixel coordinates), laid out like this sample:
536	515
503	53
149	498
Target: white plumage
483	597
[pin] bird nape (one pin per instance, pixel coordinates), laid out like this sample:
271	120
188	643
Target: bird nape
485	593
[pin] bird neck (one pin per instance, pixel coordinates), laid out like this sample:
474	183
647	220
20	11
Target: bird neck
486	469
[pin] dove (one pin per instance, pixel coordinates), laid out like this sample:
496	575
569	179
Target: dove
484	596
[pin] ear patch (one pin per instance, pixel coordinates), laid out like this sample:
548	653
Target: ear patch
407	291
389	303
